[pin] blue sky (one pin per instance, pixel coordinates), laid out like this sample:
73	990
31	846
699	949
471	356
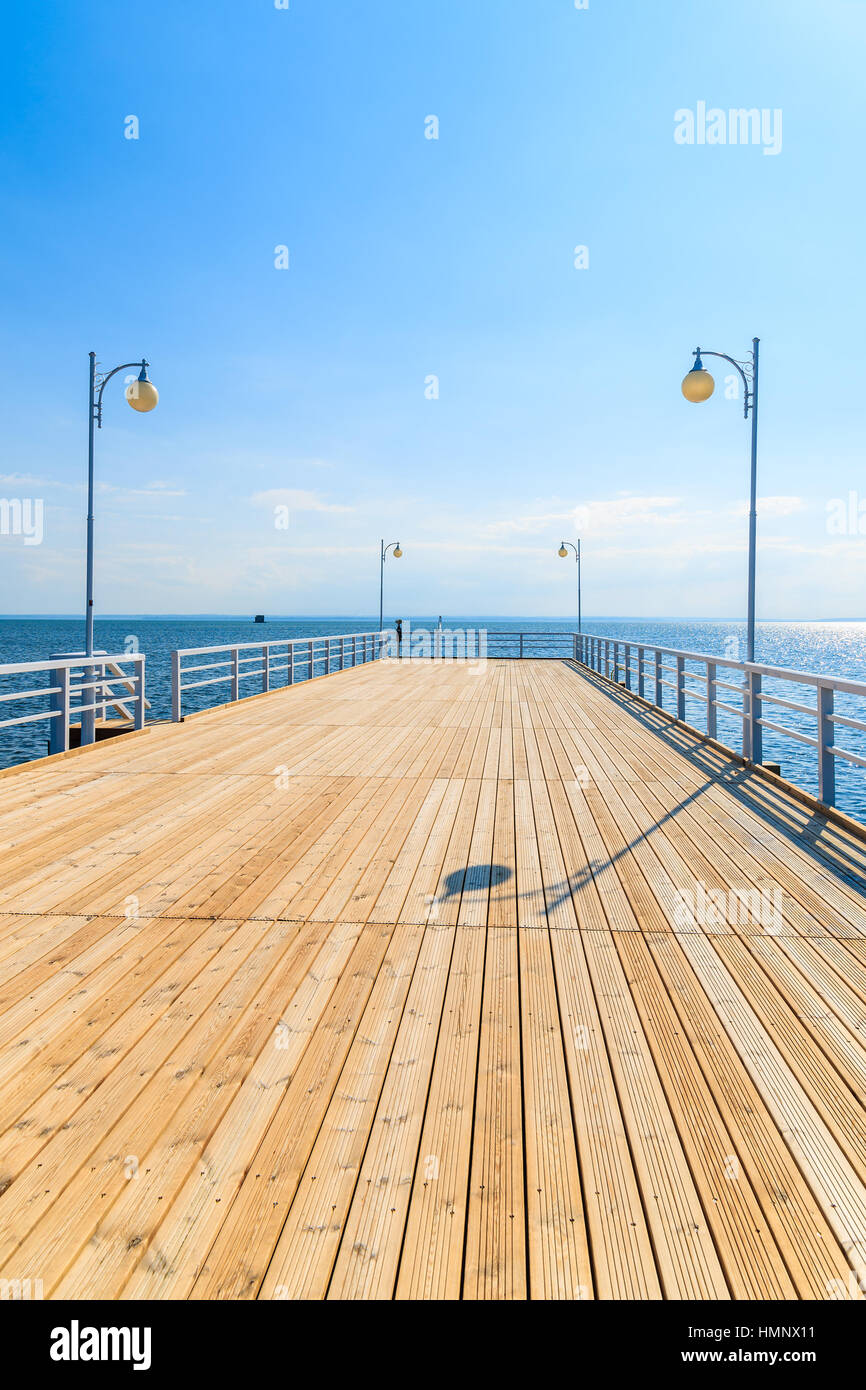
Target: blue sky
559	410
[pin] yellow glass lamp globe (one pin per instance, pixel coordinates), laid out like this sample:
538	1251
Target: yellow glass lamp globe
397	552
563	552
142	394
698	385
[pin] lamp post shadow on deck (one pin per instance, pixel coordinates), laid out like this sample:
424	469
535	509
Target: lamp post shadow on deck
383	555
563	554
698	386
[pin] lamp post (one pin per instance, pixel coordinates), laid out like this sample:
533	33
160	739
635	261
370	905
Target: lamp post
395	546
698	386
563	552
142	395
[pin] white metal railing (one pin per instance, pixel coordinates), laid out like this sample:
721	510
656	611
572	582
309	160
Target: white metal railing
79	689
300	658
638	664
542	645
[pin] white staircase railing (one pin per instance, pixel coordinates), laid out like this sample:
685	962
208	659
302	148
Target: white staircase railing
79	689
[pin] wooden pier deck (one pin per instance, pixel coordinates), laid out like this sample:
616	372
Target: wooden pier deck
429	981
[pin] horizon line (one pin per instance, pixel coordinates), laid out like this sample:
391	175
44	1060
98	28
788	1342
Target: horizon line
350	618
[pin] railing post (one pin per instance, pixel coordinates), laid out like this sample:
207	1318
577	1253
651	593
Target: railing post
58	728
138	716
752	731
660	690
65	706
826	739
521	644
640	683
58	737
342	653
681	688
266	668
711	699
291	663
311	658
88	697
96	696
354	650
236	673
176	689
757	708
627	666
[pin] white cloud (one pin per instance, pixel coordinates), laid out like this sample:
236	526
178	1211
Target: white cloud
152	490
773	506
297	500
30	480
598	517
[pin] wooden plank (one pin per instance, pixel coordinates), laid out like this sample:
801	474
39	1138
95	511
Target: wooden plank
237	1262
495	1264
432	1262
560	1265
303	1261
369	1252
246	1075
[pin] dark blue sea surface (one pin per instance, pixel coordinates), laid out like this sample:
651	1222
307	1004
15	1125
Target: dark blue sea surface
824	648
